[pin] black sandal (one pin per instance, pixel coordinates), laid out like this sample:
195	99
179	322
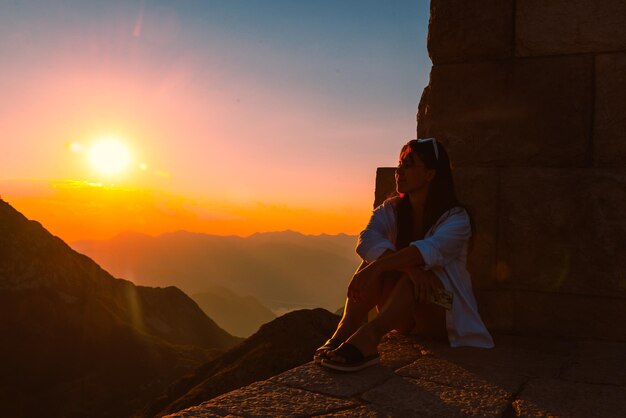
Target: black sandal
355	360
330	345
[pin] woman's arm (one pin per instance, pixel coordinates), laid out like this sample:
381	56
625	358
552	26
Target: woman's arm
404	259
439	249
375	240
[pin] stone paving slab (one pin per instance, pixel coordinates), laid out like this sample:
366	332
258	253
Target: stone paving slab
598	362
447	373
558	398
397	350
406	397
319	379
201	411
267	399
365	411
512	361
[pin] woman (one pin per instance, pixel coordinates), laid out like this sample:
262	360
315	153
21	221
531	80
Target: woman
414	244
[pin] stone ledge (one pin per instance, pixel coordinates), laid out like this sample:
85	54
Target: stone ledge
425	378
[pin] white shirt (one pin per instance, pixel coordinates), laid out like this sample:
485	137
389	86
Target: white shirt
444	250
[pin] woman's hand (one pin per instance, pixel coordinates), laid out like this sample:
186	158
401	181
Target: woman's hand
425	283
361	280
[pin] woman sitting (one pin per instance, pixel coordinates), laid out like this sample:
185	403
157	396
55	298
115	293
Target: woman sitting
414	245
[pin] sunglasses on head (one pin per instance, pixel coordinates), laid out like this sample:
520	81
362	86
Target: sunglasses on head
434	141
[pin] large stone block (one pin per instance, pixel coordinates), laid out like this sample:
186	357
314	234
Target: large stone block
496	308
567	315
609	145
477	31
564	230
559	27
477	188
519	112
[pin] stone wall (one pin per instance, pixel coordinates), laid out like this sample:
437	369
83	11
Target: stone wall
529	97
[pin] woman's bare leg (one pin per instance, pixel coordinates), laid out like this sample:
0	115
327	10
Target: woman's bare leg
355	313
396	313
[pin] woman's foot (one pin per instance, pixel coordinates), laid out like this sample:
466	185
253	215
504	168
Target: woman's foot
330	345
365	340
352	359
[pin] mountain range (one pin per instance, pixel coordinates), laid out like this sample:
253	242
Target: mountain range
283	270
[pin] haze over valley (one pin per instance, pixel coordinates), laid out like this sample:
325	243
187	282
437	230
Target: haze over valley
282	270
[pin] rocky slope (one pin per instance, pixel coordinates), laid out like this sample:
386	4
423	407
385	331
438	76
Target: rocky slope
80	342
280	345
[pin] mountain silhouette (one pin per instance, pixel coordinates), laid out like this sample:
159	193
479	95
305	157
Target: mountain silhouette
286	342
284	270
239	315
79	342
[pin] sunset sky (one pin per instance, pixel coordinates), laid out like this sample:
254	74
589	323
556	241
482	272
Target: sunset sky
223	117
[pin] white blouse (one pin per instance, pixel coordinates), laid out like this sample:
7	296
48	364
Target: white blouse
444	250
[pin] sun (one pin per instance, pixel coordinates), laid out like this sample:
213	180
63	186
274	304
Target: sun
109	156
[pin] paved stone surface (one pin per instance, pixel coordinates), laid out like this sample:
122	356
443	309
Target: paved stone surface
512	361
556	398
525	376
368	411
203	412
397	350
450	374
321	380
419	397
598	362
267	399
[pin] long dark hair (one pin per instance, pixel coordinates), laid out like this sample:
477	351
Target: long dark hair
441	195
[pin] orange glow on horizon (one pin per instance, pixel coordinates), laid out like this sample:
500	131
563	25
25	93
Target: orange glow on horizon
76	210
